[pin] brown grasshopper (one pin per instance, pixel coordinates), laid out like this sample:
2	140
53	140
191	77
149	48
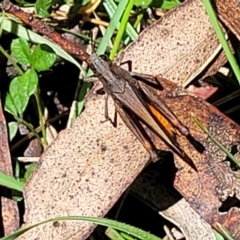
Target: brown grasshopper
135	101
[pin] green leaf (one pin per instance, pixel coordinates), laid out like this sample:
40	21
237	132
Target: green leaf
10	105
12	128
21	51
43	57
218	236
18	96
42	7
20	89
30	81
111	7
19	30
29	171
10	182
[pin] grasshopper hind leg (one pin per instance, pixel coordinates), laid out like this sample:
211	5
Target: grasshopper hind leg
137	129
134	125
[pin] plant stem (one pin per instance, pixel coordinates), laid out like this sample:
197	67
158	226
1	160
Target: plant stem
41	117
29	127
122	28
20	72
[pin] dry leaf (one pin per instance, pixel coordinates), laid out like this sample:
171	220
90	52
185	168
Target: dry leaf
229	13
179	46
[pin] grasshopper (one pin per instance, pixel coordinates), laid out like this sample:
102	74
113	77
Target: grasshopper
134	101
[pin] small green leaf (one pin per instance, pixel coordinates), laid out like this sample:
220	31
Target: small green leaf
10	105
29	171
18	95
42	8
43	57
20	89
12	128
225	232
29	81
21	51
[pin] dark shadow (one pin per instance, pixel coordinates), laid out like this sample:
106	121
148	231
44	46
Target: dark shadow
155	192
229	203
198	146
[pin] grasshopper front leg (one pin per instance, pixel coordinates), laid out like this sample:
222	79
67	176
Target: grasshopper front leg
107	118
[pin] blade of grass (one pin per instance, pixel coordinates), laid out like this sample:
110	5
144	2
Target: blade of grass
127	236
112	26
196	120
140	234
113	234
10	182
121	29
111	7
227	235
218	236
222	39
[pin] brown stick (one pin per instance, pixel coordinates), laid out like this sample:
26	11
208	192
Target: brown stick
42	28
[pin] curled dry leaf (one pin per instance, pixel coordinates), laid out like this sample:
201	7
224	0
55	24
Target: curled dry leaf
229	13
214	183
179	46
